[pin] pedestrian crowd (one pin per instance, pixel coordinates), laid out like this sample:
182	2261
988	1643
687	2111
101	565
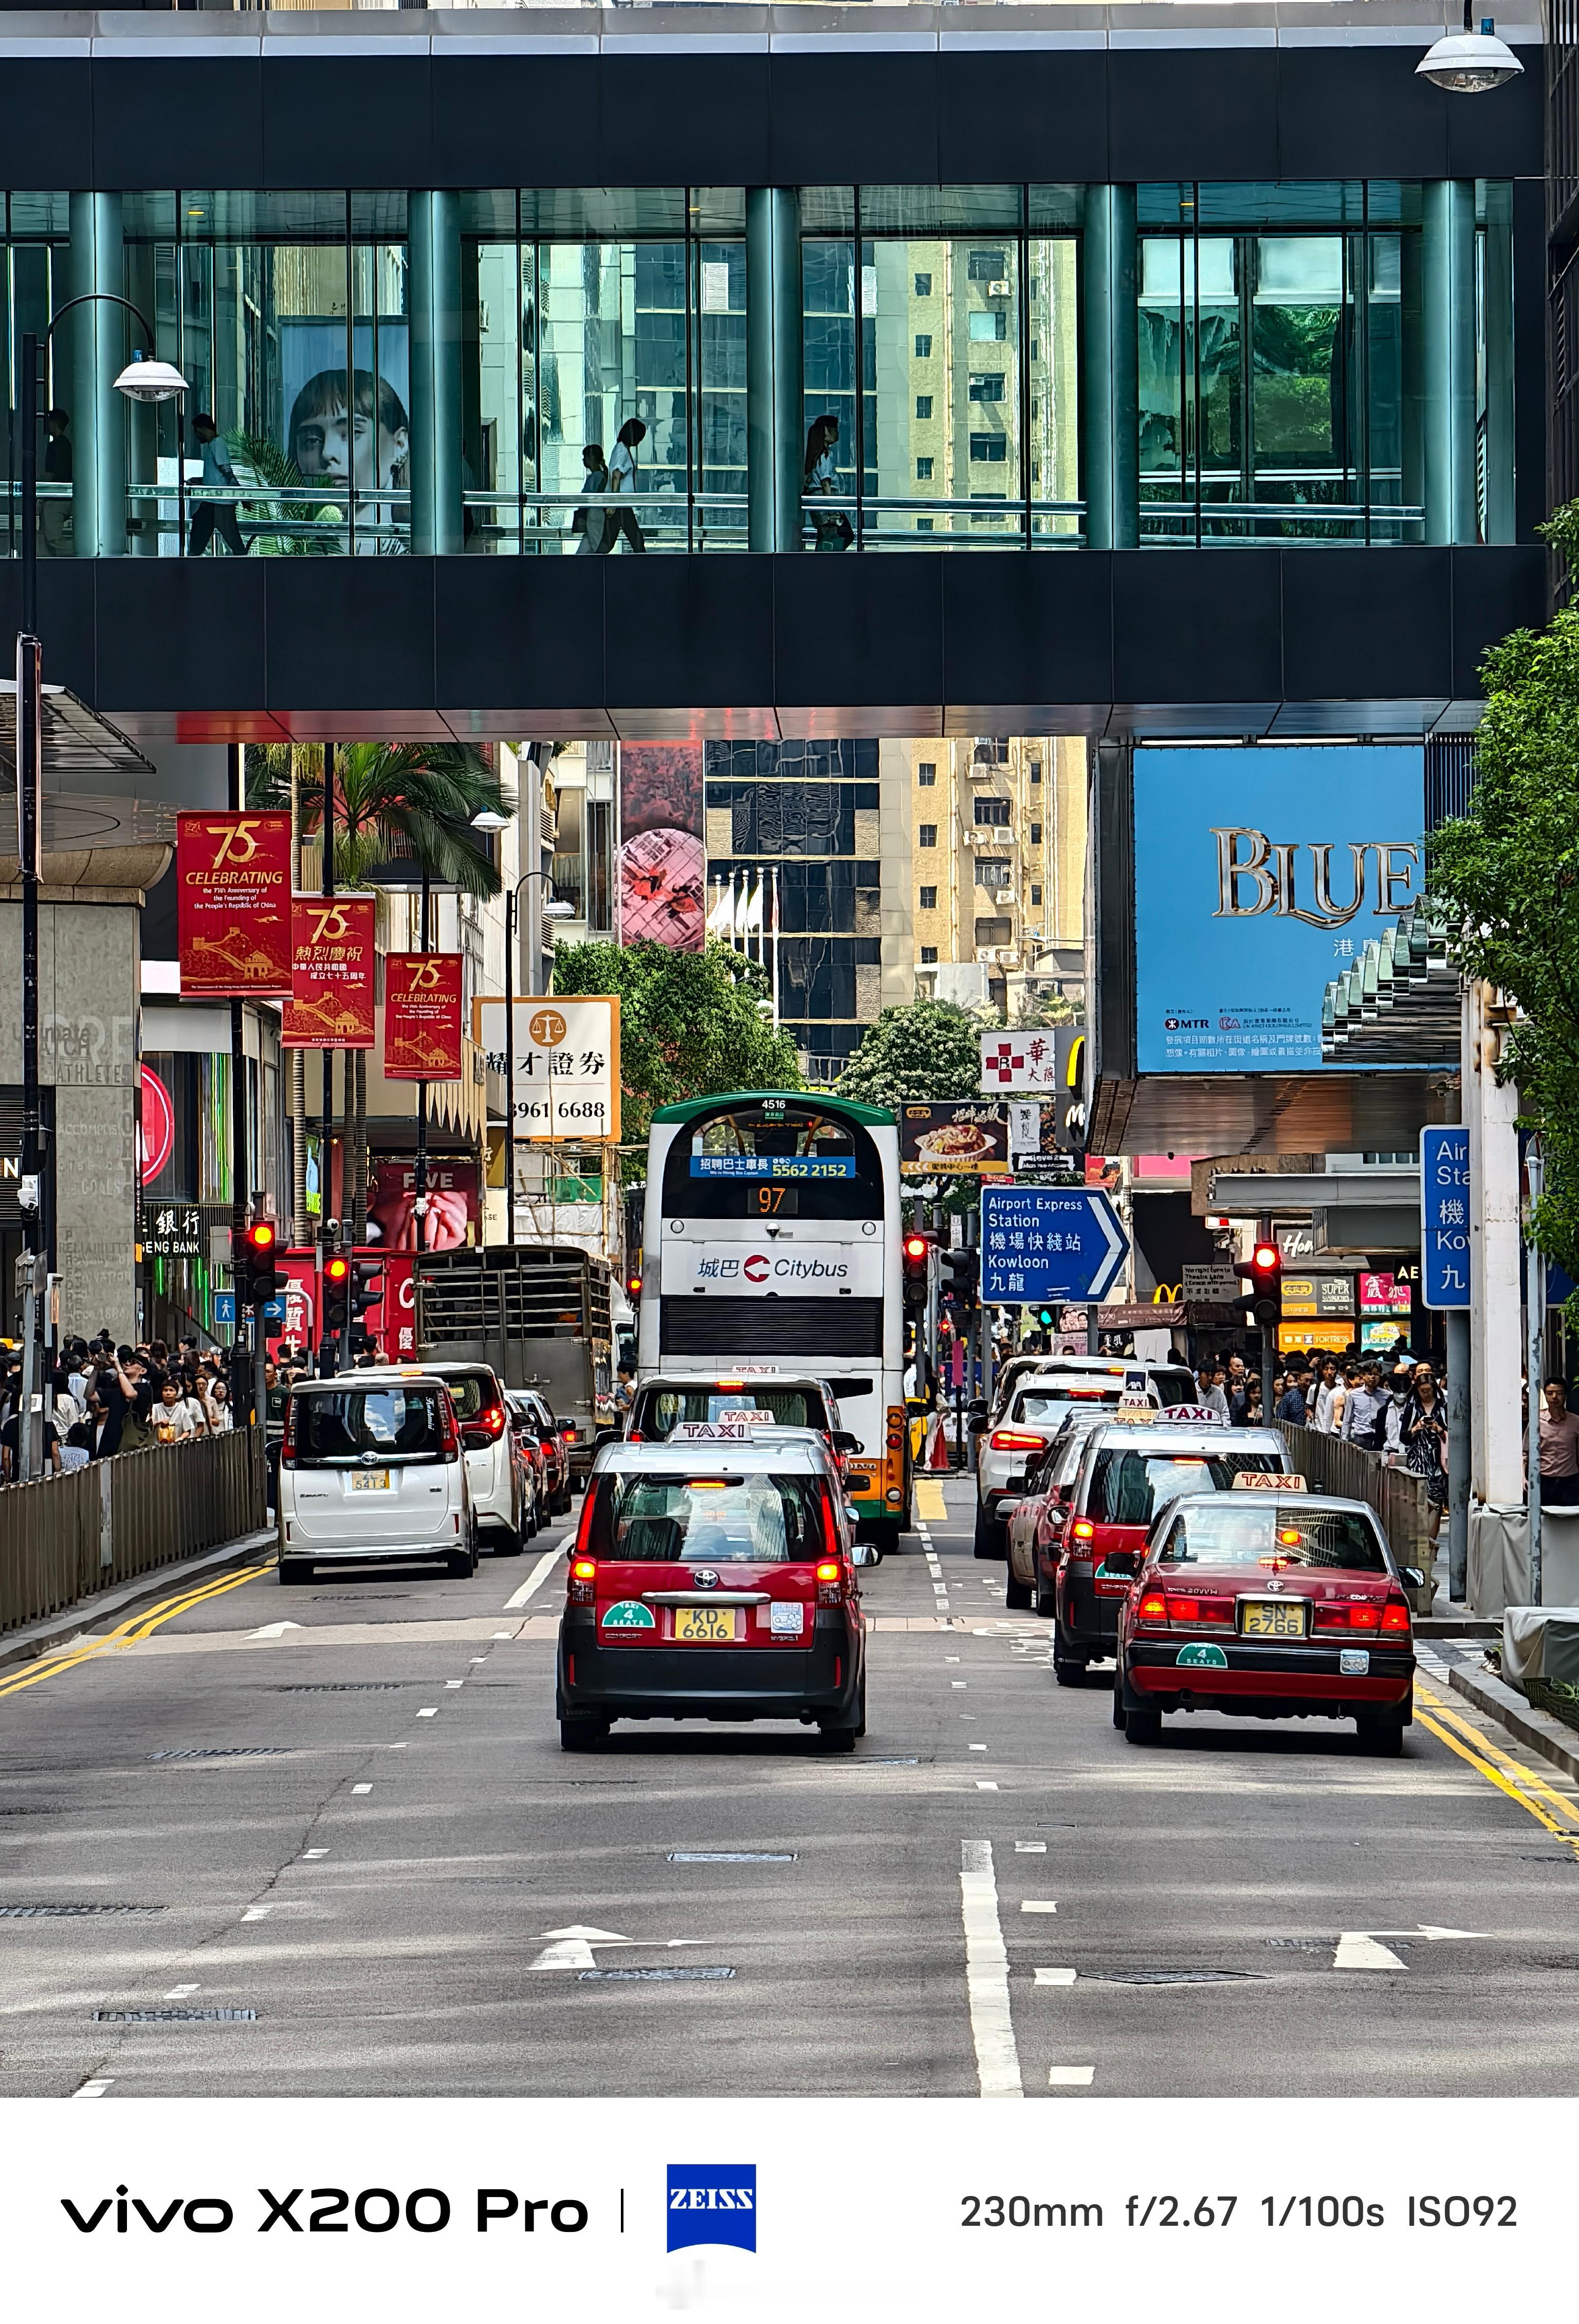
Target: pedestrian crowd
101	1398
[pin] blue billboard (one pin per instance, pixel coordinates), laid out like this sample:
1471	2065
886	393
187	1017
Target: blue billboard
1261	874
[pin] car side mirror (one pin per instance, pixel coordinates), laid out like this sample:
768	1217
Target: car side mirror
976	1425
603	1437
865	1553
1412	1575
976	1407
476	1440
843	1442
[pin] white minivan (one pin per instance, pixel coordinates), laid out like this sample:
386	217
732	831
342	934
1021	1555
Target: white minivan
371	1471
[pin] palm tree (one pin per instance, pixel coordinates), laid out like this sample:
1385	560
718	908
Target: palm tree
410	802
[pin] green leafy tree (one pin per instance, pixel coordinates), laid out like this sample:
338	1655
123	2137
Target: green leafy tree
925	1049
691	1023
1506	877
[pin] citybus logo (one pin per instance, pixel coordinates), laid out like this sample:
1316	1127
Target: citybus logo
755	1270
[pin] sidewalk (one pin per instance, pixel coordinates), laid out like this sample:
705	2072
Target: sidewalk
100	1612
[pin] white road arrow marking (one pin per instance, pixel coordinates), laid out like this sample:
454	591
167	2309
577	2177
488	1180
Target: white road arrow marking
273	1629
1358	1948
573	1947
1107	1272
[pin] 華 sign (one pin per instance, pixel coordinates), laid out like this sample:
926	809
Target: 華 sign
233	905
1018	1061
331	1003
969	1137
1260	876
567	1055
422	1017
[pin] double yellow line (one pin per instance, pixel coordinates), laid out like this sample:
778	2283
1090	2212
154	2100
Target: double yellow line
1495	1765
138	1626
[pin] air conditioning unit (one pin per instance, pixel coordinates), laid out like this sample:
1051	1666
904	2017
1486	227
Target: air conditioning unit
997	290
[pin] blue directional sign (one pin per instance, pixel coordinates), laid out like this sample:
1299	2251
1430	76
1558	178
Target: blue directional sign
1445	1212
224	1308
1042	1243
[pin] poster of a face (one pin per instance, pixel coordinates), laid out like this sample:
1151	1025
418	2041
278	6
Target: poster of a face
364	438
662	867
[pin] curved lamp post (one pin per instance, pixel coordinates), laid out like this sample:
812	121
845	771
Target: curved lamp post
144	380
1470	62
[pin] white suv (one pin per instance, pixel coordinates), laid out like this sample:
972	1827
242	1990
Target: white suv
1005	1448
372	1469
495	1465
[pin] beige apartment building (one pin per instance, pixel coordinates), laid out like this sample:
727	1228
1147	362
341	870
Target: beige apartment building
999	861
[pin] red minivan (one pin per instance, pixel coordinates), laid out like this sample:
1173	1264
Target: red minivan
713	1581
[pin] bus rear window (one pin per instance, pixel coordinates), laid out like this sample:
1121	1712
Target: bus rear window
659	1411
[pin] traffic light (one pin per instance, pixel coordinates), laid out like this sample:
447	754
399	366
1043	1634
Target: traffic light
366	1290
336	1293
1263	1270
254	1263
633	1286
963	1268
917	1253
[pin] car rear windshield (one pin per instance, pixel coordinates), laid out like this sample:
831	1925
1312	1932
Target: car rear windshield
1129	1488
662	1409
700	1521
403	1423
1340	1540
1035	1405
472	1392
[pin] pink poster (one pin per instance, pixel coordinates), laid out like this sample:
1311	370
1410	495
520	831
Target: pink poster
662	865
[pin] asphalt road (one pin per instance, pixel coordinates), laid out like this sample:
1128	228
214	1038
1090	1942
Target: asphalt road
381	1856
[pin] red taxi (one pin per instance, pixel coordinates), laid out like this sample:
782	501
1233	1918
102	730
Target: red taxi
714	1582
1127	1474
1270	1604
1036	1527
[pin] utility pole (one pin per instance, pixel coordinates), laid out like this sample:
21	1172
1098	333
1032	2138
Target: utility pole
240	1170
328	1363
1535	1300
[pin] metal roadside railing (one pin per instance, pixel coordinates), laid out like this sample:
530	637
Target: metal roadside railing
67	1537
1330	1464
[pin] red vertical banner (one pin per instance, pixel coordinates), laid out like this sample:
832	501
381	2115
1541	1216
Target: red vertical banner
422	1017
233	911
331	1003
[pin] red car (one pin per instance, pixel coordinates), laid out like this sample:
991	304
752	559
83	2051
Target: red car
1268	1604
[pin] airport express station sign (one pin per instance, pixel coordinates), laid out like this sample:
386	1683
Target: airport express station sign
1041	1243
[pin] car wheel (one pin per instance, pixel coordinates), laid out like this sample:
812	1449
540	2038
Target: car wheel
992	1539
1143	1727
1382	1737
294	1572
839	1740
582	1734
1017	1593
884	1533
1067	1673
509	1545
462	1563
1118	1704
1046	1601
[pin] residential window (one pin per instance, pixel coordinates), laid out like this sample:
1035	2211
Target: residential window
986	323
923	471
989	448
926	773
991	810
997	992
1035	894
924	344
1036	834
986	266
993	871
923	524
929	953
926	834
924	286
987	387
929	900
923	407
1036	771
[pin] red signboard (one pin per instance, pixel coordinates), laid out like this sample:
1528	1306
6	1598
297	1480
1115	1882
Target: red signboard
422	1017
156	1128
331	1003
1384	1295
233	886
392	1324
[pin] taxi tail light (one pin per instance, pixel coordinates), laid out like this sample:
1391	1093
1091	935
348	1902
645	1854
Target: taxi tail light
1395	1617
1153	1608
1017	1440
491	1417
1083	1529
1183	1609
830	1573
581	1583
583	1532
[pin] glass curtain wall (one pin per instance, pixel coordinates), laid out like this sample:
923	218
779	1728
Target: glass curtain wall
960	321
35	283
604	371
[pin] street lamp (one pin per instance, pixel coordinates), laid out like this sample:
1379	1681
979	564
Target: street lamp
553	909
144	381
1469	62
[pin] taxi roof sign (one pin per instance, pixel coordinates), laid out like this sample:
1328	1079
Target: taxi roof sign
1198	1415
1269	1480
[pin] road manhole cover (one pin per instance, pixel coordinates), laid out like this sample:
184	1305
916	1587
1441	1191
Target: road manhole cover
1301	1944
1172	1975
170	2017
68	1912
350	1686
230	1751
731	1856
650	1975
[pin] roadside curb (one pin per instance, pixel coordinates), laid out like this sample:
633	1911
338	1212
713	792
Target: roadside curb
36	1638
1549	1736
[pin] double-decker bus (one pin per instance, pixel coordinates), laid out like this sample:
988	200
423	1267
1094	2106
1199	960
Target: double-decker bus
773	1244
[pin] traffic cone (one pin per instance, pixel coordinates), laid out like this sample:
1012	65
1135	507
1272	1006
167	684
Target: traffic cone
938	1451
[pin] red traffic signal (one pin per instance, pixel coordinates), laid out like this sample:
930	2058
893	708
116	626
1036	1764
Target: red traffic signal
916	1251
1266	1257
336	1292
1265	1270
253	1263
633	1286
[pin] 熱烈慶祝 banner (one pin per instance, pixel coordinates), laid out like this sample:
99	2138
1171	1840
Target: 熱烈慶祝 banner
331	1004
232	907
1260	876
422	1017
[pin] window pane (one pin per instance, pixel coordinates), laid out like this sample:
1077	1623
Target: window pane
944	337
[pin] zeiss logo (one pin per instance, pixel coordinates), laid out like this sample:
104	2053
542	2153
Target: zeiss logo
713	2203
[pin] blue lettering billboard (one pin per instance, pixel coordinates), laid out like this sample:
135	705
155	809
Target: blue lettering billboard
1261	875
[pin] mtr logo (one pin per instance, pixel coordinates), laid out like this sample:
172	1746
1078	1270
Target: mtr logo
713	2203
